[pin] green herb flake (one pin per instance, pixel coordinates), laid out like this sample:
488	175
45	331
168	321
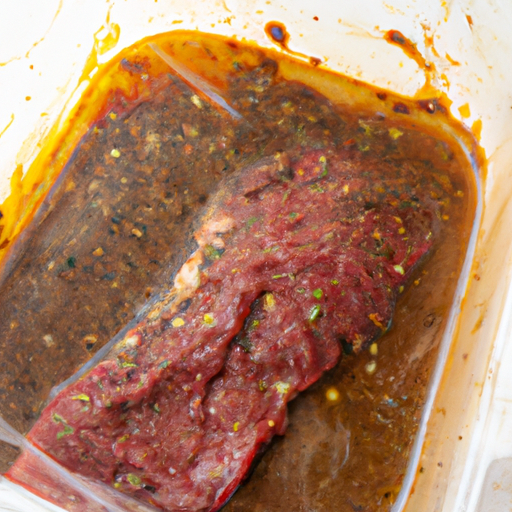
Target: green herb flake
126	364
123	439
164	364
82	397
301	290
156	408
335	282
251	221
58	418
279	276
134	479
315	187
323	161
293	215
71	262
315	313
141	383
399	269
274	248
211	253
66	432
318	293
100	384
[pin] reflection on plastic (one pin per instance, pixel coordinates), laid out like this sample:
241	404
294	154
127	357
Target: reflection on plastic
195	81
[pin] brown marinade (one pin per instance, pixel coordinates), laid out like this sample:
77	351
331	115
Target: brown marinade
117	224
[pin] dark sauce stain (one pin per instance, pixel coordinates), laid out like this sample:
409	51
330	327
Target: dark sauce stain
409	48
433	105
401	108
278	33
428	105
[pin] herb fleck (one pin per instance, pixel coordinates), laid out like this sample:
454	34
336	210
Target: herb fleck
318	293
211	253
133	479
315	313
82	397
399	269
66	432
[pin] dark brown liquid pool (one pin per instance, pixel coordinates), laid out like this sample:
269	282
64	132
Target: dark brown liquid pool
117	222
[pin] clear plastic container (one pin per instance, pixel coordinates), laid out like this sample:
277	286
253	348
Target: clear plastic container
460	460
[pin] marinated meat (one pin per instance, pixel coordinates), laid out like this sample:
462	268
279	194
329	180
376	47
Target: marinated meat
300	257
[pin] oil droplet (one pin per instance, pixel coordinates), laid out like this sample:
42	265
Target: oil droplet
371	367
332	394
